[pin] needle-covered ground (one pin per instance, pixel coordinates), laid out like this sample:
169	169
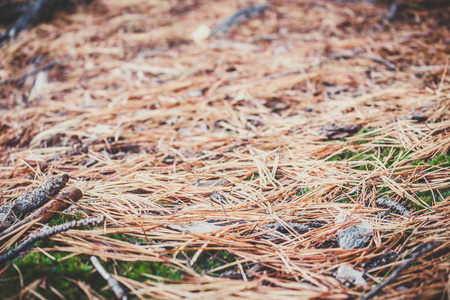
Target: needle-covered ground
231	166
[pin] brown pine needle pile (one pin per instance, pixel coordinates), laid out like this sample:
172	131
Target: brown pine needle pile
302	151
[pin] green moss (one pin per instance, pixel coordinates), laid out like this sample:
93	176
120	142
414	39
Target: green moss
386	155
125	238
214	259
383	190
345	197
302	191
61	219
428	198
442	160
352	156
209	260
58	272
252	177
61	273
417	163
55	273
391	155
436	163
135	270
344	155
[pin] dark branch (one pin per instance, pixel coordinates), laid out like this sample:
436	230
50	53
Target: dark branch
11	254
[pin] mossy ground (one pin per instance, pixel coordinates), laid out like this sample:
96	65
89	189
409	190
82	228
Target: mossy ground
61	273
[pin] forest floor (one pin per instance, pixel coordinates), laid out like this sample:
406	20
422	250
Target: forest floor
231	166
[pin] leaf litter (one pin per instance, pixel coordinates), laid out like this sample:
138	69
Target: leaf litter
195	146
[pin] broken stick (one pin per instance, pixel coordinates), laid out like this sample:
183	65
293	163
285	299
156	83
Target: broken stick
11	254
47	212
237	18
428	248
18	208
113	283
19	80
388	64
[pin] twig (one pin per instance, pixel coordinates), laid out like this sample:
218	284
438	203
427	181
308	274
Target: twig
46	212
37	11
335	131
215	196
22	77
47	233
282	74
420	69
397	271
252	272
16	209
392	11
388	64
113	283
237	18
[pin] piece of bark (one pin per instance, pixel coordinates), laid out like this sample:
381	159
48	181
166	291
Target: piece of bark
417	117
395	206
47	212
357	235
299	228
336	131
11	254
347	275
382	259
18	208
